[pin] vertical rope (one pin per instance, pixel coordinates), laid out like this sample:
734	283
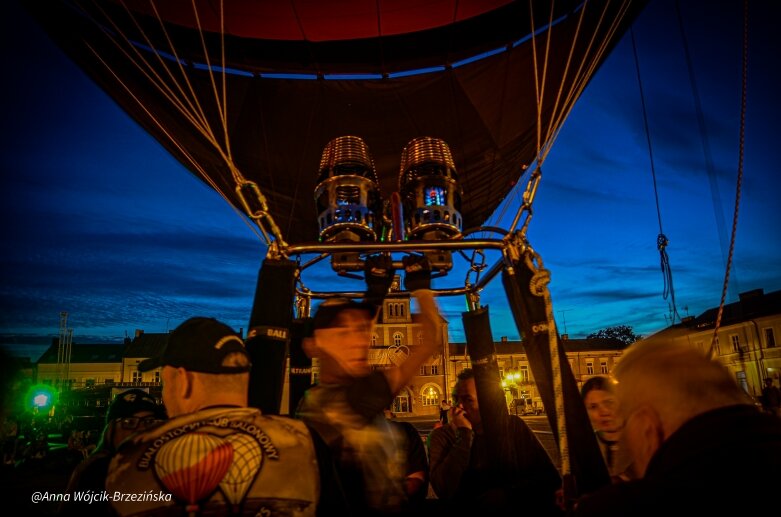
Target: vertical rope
739	183
538	286
661	240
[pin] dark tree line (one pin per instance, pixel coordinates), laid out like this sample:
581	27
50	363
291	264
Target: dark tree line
623	333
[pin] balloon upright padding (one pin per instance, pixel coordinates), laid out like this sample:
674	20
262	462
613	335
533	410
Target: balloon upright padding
269	329
587	465
490	395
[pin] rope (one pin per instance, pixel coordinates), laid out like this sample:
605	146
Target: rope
538	286
739	184
565	97
180	93
661	240
586	70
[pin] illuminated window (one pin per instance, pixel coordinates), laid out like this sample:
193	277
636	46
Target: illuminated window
735	339
603	367
423	370
397	337
590	368
137	376
374	339
434	369
524	369
431	396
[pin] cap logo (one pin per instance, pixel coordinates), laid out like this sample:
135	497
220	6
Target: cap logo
227	339
277	333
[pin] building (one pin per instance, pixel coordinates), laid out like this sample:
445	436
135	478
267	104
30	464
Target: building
748	337
89	365
587	358
394	336
86	377
747	345
97	372
143	346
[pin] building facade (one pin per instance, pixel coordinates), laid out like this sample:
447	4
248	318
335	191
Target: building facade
748	344
88	366
97	372
587	358
748	337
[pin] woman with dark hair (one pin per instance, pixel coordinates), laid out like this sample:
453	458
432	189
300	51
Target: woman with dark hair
602	407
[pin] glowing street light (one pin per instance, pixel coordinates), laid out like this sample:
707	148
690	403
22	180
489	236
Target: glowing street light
41	397
41	400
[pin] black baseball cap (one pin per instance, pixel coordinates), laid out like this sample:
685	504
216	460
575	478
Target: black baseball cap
330	309
133	401
200	345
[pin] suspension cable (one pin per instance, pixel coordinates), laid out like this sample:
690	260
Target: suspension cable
661	240
739	183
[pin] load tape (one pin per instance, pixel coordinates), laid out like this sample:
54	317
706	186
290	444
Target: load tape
264	331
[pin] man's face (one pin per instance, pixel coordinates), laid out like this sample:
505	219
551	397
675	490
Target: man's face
643	432
124	427
344	347
602	406
466	398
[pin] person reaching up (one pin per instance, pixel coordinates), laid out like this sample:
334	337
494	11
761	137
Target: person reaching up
346	406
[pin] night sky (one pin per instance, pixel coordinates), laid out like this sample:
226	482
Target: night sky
99	221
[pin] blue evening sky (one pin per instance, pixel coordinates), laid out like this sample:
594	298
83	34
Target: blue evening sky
99	221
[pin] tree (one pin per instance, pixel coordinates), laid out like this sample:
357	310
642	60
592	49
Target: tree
623	333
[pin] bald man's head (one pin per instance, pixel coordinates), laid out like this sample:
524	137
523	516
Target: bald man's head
660	386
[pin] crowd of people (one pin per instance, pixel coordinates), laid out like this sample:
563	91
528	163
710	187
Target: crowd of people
676	431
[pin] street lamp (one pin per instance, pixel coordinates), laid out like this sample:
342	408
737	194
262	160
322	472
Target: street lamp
510	384
41	400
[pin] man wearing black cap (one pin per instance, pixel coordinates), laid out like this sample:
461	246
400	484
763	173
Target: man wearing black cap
346	406
216	455
131	411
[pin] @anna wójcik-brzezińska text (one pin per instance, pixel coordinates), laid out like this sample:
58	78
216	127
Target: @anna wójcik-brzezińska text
102	496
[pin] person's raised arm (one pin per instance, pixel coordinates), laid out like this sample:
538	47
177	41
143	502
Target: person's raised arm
418	281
